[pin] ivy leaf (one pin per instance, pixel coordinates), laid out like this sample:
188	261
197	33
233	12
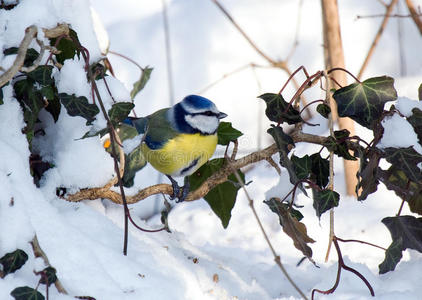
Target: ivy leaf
409	228
13	261
26	293
226	133
407	160
79	106
277	206
302	166
31	55
320	170
49	276
338	144
284	144
276	109
221	198
397	181
416	121
31	101
54	106
406	233
393	255
134	162
368	175
140	84
42	75
1	95
364	101
324	110
324	200
67	47
119	111
292	227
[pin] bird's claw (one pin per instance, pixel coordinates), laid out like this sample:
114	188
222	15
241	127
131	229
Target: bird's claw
179	193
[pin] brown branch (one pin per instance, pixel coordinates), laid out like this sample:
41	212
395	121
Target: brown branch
214	180
38	252
30	33
61	29
414	14
251	205
371	50
253	45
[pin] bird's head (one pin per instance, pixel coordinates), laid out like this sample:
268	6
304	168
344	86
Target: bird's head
196	114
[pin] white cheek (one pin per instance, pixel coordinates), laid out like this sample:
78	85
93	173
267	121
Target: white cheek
206	124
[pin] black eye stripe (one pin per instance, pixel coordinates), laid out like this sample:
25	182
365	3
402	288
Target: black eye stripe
204	113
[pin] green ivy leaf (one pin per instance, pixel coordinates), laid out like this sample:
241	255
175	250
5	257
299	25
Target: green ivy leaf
134	162
409	228
324	110
1	95
67	47
31	101
79	106
406	233
416	121
13	261
324	200
302	166
226	133
221	198
320	170
284	143
31	55
393	255
54	106
338	144
407	160
364	101
276	109
26	293
50	276
277	207
140	84
119	111
42	75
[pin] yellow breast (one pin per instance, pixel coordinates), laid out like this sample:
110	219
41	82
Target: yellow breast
182	155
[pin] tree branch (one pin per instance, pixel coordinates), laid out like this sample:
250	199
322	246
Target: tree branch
214	180
414	14
389	9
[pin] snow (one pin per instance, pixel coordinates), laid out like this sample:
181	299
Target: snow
199	259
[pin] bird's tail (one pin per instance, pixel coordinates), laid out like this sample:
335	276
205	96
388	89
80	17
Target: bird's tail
140	124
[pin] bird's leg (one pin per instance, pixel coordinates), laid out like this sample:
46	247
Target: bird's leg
176	188
185	190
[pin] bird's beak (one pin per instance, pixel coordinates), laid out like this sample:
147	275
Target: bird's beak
221	115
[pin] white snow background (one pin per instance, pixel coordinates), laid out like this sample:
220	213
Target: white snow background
83	241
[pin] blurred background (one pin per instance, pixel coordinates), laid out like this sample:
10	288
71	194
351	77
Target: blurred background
203	47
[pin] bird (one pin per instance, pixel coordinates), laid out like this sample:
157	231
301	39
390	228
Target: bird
178	140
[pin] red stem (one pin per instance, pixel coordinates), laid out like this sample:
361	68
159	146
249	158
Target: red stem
344	70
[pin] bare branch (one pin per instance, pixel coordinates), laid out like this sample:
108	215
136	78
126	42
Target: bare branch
30	33
61	29
214	180
389	9
38	252
251	205
414	14
253	45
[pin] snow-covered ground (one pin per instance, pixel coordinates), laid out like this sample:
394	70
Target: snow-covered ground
199	259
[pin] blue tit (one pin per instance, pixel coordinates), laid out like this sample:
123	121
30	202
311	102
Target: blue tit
178	140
